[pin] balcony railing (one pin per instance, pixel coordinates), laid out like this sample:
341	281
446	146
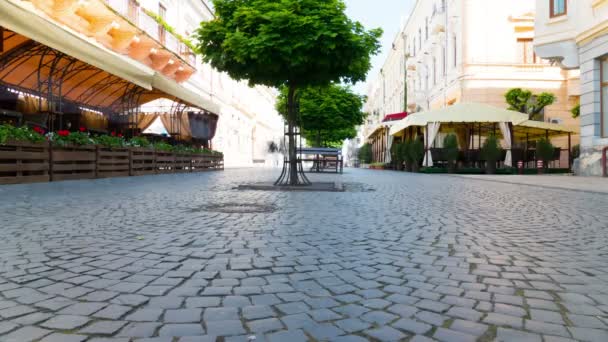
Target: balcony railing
137	16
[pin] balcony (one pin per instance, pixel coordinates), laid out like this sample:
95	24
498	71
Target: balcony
126	28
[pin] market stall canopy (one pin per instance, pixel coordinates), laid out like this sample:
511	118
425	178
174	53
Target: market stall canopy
538	128
37	50
381	126
461	113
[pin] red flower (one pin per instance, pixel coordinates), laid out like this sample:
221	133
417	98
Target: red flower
83	129
113	134
119	135
63	133
38	130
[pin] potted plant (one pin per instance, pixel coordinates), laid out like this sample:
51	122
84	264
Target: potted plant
544	152
365	154
24	155
450	144
416	153
396	156
491	152
165	158
112	156
405	155
73	155
142	157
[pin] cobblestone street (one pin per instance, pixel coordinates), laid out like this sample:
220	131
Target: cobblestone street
397	257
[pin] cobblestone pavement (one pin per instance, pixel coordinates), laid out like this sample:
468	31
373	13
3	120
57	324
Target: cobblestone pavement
398	257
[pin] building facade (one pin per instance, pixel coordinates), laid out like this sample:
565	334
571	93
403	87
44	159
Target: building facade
455	51
574	34
248	121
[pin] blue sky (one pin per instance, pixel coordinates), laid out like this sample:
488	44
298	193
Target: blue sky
386	14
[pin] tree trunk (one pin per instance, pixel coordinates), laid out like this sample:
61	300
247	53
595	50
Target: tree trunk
291	122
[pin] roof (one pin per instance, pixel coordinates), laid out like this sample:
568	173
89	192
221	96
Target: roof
380	126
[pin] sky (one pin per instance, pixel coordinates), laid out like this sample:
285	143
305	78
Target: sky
386	14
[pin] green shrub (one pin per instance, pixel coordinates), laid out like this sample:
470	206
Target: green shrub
450	144
576	111
576	151
491	150
416	151
163	146
21	134
544	150
109	141
141	142
365	154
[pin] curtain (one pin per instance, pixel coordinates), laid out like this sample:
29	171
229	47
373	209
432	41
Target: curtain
433	129
29	104
506	133
388	159
94	120
145	120
167	122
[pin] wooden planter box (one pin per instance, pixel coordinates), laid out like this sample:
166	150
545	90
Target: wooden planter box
165	162
218	162
142	162
112	162
202	162
73	162
22	162
183	162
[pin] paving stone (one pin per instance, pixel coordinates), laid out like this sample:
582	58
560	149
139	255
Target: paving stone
139	330
468	327
449	335
288	335
546	328
352	325
265	325
589	334
378	317
145	315
257	312
177	330
412	326
386	333
225	327
26	334
65	322
503	320
183	316
103	328
510	335
58	337
220	314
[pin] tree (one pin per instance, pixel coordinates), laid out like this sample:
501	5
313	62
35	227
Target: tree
525	102
328	114
291	43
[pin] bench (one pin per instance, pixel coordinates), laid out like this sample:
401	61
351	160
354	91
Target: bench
323	159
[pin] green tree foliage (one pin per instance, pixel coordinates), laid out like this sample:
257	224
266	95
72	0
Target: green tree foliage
576	111
544	151
365	154
450	144
524	101
328	114
491	150
292	43
416	153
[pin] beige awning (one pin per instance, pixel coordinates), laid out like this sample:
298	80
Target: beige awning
461	113
19	16
172	88
381	126
544	128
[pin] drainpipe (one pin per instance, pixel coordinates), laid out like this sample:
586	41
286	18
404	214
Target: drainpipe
604	166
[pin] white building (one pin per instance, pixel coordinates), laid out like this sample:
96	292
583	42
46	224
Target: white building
575	35
453	51
248	120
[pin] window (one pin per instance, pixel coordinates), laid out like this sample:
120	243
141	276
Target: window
604	91
162	13
434	71
525	51
558	8
455	52
133	11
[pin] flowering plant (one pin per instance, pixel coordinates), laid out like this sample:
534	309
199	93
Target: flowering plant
8	132
163	146
64	137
